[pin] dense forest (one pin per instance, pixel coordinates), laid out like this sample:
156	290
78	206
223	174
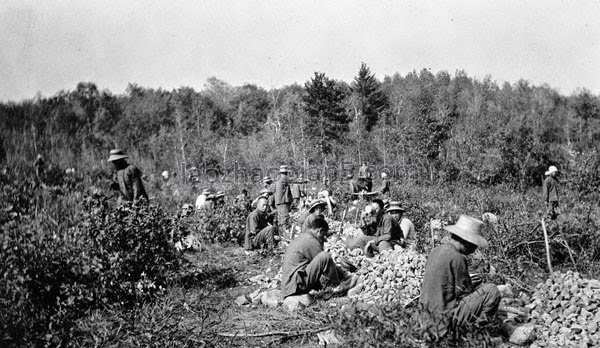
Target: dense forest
423	126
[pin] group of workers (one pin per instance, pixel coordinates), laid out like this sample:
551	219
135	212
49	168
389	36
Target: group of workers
448	292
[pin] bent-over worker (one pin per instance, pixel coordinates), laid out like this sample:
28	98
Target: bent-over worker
306	266
447	292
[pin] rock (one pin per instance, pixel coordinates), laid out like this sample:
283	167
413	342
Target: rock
576	328
293	303
242	300
329	338
523	335
256	297
272	298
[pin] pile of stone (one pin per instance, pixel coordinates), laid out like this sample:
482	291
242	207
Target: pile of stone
566	312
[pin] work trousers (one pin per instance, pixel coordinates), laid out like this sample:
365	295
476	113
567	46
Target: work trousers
322	266
361	242
262	239
483	301
551	209
283	214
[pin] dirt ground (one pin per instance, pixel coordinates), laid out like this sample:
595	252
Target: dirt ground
224	318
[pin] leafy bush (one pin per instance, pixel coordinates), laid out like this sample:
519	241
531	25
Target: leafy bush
55	272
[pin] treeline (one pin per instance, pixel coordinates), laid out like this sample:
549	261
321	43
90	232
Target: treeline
435	127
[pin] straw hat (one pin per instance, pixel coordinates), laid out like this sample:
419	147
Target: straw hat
395	206
265	192
284	168
165	174
116	154
469	229
384	175
219	194
551	169
316	203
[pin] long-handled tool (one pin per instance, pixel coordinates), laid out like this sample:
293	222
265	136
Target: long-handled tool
547	246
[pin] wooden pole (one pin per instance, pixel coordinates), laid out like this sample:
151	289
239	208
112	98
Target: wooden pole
547	246
432	239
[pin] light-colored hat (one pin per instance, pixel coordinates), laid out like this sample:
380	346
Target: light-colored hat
316	203
265	192
219	194
116	154
284	168
395	206
384	175
551	169
267	180
165	174
469	229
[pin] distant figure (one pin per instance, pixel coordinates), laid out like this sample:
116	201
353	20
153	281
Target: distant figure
242	200
283	197
201	200
353	187
363	171
165	176
385	184
127	178
550	192
39	165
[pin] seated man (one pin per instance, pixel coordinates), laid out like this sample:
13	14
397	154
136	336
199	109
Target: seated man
259	233
447	292
316	208
386	228
407	227
307	267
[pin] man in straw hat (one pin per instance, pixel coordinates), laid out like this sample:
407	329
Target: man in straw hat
259	232
316	208
127	178
283	197
306	266
550	192
447	292
408	228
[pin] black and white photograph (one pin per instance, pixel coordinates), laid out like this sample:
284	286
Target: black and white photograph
299	174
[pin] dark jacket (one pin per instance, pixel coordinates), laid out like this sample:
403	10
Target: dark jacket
550	189
128	182
283	193
298	255
388	229
446	279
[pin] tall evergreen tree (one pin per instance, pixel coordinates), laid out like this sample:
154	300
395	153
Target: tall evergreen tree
371	102
327	119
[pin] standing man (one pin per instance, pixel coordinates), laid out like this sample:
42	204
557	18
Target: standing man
306	266
127	178
259	233
550	192
385	184
283	197
447	292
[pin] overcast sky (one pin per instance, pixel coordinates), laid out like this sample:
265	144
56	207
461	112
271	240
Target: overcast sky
47	46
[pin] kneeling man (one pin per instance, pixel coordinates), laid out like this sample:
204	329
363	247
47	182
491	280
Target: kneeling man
447	292
306	266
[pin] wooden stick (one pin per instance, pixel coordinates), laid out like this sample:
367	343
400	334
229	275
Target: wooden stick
432	240
547	246
273	333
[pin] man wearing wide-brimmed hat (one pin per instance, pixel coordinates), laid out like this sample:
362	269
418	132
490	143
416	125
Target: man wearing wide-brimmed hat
283	197
408	228
127	178
550	192
447	292
316	208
